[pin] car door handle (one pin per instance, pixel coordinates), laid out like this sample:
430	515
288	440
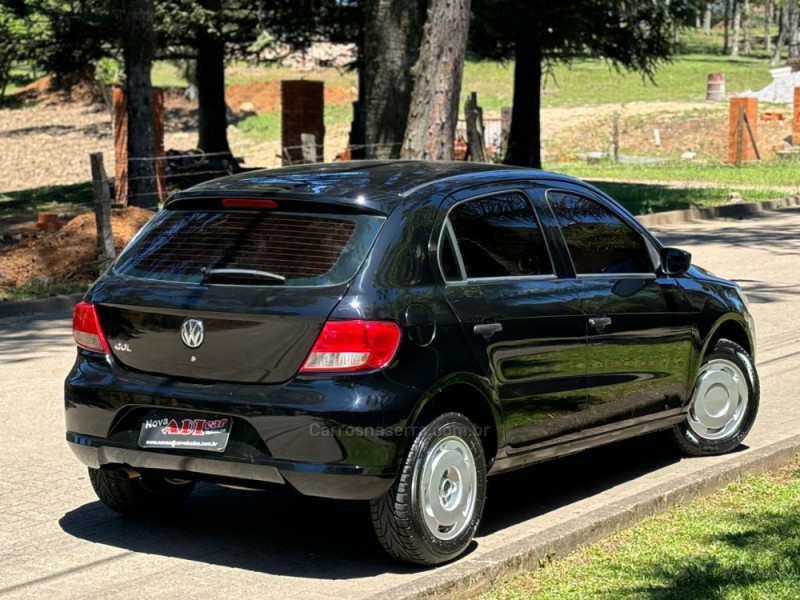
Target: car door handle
487	330
600	323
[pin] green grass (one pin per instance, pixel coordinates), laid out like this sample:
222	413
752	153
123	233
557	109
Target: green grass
266	127
740	543
42	288
591	81
53	198
644	198
775	174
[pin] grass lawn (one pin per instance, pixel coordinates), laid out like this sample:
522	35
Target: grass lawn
646	198
55	198
740	543
584	82
777	174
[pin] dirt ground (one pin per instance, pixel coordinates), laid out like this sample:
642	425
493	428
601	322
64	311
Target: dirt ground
67	255
48	143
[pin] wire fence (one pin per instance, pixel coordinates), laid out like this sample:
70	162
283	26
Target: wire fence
178	170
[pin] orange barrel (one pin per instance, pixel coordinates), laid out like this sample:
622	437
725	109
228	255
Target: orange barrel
715	90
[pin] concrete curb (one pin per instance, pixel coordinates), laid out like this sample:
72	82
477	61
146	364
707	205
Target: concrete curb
52	304
468	578
726	211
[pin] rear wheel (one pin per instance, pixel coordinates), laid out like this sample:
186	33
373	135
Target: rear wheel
724	402
141	495
431	513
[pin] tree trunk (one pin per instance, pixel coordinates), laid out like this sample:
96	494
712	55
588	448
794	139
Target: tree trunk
768	15
737	27
433	114
707	19
392	35
212	113
726	24
138	49
524	139
776	57
746	28
793	29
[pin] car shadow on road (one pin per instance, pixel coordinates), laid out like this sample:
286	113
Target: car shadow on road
286	534
28	338
746	233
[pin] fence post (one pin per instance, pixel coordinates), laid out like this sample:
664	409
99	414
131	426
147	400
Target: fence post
505	128
476	149
308	143
102	211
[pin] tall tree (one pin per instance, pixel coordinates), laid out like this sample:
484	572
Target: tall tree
630	35
431	125
389	49
789	33
138	50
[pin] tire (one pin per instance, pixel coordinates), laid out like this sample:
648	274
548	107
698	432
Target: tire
724	403
145	496
431	513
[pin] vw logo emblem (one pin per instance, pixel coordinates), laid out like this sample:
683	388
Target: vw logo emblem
192	332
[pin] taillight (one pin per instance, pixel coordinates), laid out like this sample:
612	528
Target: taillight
347	346
86	329
248	203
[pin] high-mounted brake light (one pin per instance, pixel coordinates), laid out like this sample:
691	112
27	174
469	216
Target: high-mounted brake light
86	329
248	203
348	346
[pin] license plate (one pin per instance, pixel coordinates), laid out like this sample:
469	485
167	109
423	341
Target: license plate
175	431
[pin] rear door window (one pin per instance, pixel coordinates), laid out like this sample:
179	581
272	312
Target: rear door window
307	249
496	236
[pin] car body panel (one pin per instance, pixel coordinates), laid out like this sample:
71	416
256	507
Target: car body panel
551	384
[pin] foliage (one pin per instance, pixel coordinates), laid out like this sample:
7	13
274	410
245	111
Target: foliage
742	542
20	33
631	35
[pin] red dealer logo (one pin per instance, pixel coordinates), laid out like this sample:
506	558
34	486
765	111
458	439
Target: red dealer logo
194	427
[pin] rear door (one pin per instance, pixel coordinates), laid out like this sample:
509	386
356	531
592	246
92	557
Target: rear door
639	328
230	292
522	322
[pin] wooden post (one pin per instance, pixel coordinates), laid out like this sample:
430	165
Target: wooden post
505	127
615	138
473	114
120	108
102	211
308	141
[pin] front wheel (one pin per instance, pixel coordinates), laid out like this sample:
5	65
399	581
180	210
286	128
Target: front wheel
431	513
724	403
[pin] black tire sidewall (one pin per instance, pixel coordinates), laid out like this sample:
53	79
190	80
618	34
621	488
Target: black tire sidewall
734	353
447	425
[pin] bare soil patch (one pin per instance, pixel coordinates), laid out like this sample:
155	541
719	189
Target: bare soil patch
68	255
699	127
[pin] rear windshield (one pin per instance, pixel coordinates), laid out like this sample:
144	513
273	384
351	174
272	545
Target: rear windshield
307	249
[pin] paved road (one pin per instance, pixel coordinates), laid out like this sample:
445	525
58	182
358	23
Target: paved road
57	541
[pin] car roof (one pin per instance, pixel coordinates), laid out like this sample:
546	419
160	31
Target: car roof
373	184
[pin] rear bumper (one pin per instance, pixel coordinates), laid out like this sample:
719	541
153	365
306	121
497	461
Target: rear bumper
347	483
334	437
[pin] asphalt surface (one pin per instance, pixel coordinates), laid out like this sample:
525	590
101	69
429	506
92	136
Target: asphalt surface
58	541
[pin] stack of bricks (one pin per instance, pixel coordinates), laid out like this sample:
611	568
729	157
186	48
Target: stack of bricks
796	118
748	150
302	111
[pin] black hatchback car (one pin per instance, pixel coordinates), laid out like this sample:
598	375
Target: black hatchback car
395	332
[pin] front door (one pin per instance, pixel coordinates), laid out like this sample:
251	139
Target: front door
639	330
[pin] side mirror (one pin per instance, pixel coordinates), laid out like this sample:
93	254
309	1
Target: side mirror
675	261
